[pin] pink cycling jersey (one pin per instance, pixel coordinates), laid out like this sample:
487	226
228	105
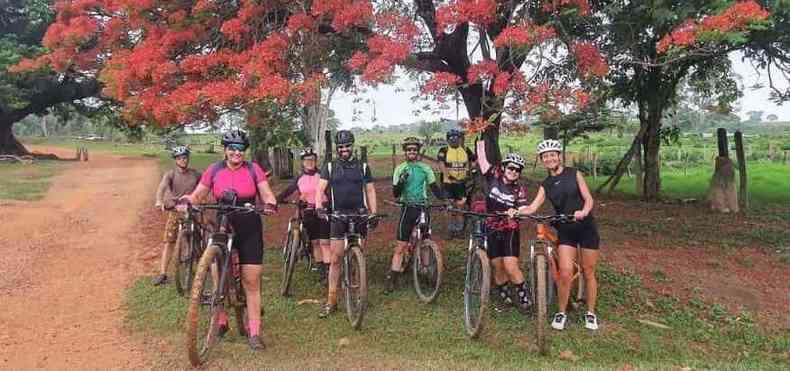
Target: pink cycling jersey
239	180
308	184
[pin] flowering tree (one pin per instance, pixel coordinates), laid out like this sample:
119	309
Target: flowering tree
653	46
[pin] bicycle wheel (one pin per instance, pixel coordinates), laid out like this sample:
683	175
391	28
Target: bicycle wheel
541	309
355	284
184	264
292	249
476	290
204	306
551	287
242	320
428	267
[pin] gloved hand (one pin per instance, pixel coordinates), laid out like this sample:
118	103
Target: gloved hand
373	223
269	209
322	213
404	176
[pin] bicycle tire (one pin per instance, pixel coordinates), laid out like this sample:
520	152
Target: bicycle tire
355	285
289	262
427	283
477	285
200	313
242	320
184	264
541	310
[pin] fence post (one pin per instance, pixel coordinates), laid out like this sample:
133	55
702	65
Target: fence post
784	158
393	159
743	193
363	155
327	146
595	165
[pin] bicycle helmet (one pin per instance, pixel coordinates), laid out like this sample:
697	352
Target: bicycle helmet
180	151
307	152
411	141
549	145
235	137
514	158
344	137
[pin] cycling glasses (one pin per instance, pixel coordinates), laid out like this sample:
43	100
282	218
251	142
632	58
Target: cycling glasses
514	168
236	147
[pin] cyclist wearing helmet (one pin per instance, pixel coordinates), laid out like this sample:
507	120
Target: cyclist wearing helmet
568	193
410	183
456	161
505	194
317	229
175	183
349	184
247	181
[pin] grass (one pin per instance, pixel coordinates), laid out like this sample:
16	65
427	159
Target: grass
27	182
399	331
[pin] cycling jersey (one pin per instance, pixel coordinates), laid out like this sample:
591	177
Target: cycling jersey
416	188
306	184
240	180
347	182
456	162
502	196
176	183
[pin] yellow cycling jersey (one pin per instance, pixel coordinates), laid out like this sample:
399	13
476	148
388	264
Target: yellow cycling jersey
456	162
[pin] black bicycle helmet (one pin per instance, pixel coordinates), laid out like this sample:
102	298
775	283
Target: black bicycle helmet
235	136
344	137
411	141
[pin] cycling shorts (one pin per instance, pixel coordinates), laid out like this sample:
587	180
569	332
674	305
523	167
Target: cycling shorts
338	228
248	237
317	229
455	191
409	218
504	243
171	226
584	234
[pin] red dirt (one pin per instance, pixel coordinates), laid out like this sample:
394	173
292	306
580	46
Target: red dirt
67	260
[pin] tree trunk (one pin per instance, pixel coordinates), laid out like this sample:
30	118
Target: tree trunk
8	143
639	175
652	173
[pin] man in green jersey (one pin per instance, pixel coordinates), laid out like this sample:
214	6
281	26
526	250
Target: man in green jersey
410	182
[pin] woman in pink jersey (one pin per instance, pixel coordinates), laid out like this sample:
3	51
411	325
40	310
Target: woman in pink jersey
317	228
248	181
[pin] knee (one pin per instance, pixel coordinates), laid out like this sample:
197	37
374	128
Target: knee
566	275
589	272
512	267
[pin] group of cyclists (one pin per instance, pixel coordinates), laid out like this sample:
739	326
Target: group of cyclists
345	185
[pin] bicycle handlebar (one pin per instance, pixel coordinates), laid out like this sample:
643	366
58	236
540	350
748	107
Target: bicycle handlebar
482	215
428	206
557	218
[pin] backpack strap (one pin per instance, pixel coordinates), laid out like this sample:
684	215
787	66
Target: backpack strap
331	189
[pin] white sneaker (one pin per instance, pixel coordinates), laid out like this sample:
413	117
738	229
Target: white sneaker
558	323
591	321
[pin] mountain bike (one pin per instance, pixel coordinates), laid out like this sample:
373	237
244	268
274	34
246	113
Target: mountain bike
189	248
423	255
477	281
544	273
297	246
217	285
354	277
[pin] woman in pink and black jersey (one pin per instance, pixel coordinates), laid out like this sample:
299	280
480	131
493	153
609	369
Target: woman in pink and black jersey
248	181
317	228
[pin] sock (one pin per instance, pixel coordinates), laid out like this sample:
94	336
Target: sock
255	327
222	319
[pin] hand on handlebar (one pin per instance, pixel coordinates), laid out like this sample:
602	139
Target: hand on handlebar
269	209
322	213
579	215
512	213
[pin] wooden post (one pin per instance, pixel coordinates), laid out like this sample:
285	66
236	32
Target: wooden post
784	158
363	155
724	149
327	146
290	155
743	193
595	165
394	161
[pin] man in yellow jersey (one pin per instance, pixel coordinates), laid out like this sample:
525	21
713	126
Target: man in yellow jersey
456	161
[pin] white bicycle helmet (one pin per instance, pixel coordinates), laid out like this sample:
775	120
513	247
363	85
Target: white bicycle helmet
180	151
549	145
514	158
307	151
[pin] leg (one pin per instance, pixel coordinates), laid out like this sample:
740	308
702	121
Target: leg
326	251
334	271
567	255
500	274
167	252
589	263
397	256
317	253
251	280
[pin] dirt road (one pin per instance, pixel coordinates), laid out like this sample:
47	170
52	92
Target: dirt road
65	262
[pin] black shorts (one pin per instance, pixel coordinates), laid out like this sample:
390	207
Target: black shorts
504	243
338	229
317	229
584	234
455	191
409	217
248	237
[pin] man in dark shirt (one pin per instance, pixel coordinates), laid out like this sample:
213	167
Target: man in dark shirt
351	190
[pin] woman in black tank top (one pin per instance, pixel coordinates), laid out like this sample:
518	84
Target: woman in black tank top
568	193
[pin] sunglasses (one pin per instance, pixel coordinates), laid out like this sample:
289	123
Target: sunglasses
236	147
411	149
344	146
514	168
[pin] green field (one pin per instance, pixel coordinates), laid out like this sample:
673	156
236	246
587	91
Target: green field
27	182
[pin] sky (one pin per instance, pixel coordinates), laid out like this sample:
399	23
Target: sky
392	104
